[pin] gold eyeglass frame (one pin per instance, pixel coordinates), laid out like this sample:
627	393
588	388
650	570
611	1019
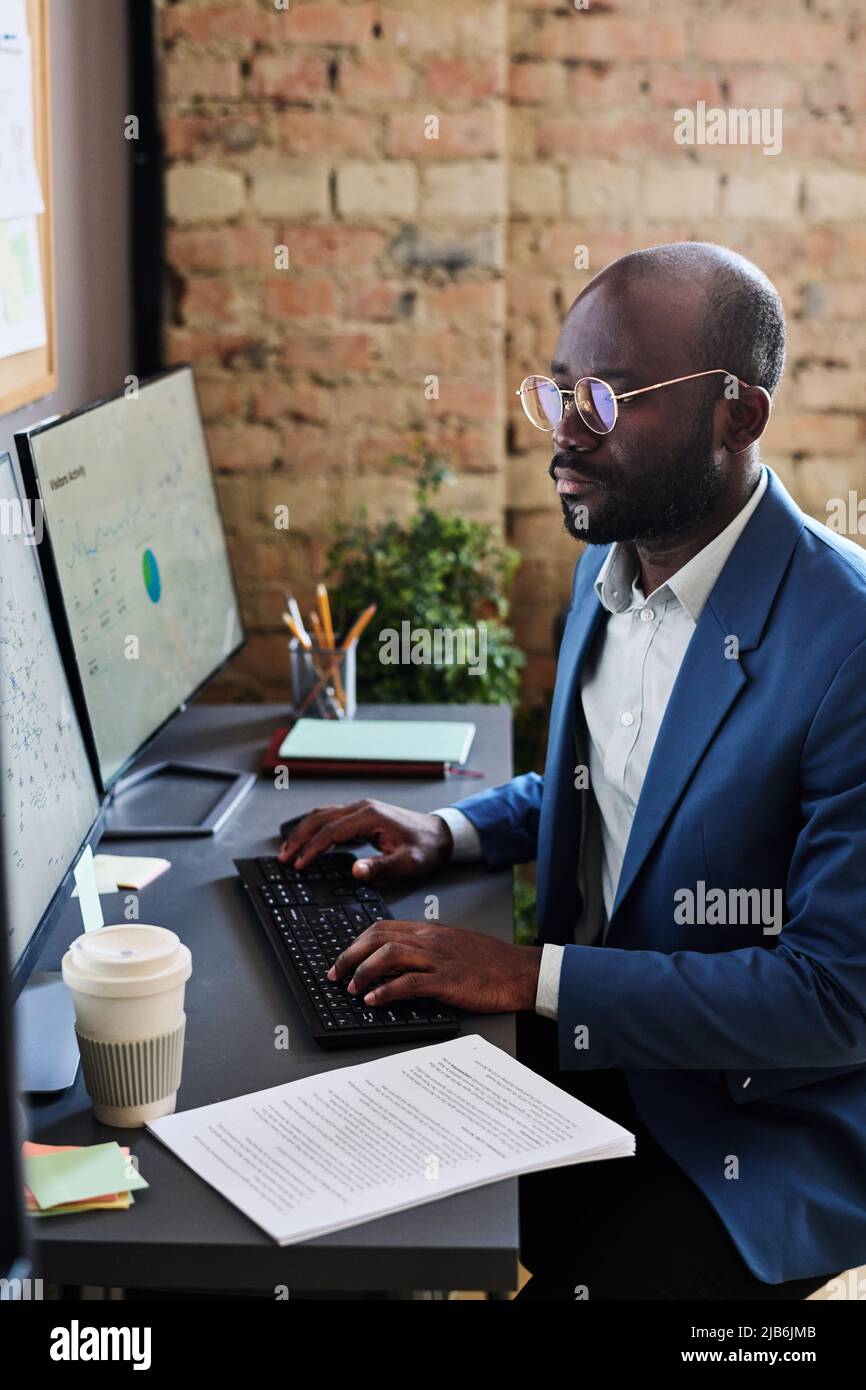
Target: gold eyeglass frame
582	406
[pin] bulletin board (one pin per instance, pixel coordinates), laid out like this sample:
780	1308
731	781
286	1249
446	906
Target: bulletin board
29	375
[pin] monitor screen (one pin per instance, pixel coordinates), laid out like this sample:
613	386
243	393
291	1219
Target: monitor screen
138	556
48	796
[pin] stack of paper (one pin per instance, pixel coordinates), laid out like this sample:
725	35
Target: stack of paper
358	1142
62	1178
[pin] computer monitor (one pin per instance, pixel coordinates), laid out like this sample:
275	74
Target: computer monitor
49	802
135	561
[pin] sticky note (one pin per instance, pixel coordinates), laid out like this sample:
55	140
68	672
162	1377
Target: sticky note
122	1202
88	893
78	1174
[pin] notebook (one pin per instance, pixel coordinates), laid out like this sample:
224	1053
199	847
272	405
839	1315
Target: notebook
390	746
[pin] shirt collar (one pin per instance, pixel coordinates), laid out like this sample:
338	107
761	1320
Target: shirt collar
617	583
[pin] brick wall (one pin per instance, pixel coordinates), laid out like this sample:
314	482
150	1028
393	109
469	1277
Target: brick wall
454	257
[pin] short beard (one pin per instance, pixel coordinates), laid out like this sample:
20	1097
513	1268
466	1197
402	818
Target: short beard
677	493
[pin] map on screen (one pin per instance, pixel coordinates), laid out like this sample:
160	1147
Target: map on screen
48	797
131	511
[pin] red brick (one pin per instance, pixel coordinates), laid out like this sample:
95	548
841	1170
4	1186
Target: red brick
467	304
309	132
354	248
600	136
215	23
773	42
186	135
428	30
673	86
837	91
330	352
395	402
294	299
468	399
189	78
204	345
530	296
305	446
183	133
587	35
290	76
242	446
272	400
600	86
379	300
461	135
468	79
208	299
382	80
329	24
536	84
756	87
219	395
225	248
438	352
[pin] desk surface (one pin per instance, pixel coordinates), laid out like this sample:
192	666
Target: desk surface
181	1233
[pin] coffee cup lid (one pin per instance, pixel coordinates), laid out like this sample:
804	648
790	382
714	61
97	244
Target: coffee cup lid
128	960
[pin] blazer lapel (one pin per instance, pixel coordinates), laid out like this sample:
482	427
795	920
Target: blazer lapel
709	679
559	828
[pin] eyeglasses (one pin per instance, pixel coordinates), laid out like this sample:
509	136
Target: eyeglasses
597	403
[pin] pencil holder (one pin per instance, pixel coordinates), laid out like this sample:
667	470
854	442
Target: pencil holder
327	671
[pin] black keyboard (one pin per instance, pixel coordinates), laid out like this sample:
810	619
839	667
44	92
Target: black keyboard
310	917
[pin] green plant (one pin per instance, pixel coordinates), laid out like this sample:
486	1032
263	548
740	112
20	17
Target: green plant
435	571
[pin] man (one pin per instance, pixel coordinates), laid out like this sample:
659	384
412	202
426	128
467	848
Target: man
700	829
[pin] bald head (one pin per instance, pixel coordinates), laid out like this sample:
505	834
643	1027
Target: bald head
738	319
690	340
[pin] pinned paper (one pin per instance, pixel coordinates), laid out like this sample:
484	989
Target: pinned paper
80	1175
88	893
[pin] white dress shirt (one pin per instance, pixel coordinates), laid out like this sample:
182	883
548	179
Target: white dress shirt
626	683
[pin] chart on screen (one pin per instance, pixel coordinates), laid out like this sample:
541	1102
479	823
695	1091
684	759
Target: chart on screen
140	554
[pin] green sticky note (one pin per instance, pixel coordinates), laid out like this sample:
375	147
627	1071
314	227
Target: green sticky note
75	1175
20	248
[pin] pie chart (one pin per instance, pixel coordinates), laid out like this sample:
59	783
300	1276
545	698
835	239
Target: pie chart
152	581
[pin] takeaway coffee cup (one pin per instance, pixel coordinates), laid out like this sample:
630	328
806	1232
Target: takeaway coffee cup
127	985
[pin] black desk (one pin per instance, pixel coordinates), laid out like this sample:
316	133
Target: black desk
181	1233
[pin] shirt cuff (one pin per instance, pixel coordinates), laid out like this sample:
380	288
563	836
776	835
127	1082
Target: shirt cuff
467	841
547	994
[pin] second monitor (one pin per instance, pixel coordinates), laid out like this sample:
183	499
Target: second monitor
136	558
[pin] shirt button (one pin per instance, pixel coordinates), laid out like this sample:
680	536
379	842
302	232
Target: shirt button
646	615
627	719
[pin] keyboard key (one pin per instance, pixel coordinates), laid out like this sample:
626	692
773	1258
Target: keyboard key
315	915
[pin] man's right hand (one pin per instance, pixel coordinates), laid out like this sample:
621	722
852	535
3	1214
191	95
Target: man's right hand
411	844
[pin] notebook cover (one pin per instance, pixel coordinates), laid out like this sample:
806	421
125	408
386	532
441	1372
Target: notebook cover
375	742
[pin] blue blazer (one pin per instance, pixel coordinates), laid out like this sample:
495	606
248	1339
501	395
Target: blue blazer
745	1053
